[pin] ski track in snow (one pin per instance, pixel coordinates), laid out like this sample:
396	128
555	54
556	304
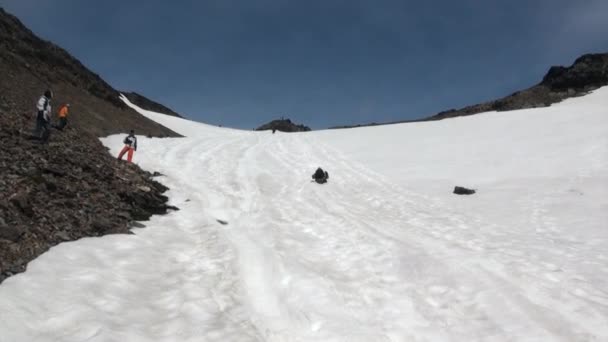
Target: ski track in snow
361	258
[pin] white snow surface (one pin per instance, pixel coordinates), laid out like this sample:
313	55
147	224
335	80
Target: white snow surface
382	252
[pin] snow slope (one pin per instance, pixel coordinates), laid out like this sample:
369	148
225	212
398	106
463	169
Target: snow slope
383	252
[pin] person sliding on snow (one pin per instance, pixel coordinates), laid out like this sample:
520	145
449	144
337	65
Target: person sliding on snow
43	118
320	176
63	116
130	146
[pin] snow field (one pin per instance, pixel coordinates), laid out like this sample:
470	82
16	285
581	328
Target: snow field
383	252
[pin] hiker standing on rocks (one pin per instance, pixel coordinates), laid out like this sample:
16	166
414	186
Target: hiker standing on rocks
130	146
63	116
43	119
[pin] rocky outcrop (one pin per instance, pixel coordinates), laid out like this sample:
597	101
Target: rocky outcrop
587	73
64	190
147	104
283	125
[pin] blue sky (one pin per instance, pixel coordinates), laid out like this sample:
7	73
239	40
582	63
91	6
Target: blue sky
241	63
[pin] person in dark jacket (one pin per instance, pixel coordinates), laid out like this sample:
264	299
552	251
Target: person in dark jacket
43	118
130	146
320	176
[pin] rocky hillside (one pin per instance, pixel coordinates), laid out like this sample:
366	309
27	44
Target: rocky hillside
283	125
70	187
147	104
30	65
588	72
64	190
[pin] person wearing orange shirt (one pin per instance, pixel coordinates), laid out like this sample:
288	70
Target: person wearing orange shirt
63	116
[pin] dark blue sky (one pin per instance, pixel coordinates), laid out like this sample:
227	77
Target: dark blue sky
241	63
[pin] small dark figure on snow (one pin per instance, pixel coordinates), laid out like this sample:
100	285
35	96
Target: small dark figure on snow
274	130
320	176
43	118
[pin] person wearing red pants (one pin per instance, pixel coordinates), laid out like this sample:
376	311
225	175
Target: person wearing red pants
130	146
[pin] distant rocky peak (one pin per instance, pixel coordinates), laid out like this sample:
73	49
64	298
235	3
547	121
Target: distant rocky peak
283	125
588	72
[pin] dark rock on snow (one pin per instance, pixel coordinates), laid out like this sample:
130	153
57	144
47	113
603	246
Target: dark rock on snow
459	190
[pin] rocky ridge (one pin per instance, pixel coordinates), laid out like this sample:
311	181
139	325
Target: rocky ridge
588	73
147	104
